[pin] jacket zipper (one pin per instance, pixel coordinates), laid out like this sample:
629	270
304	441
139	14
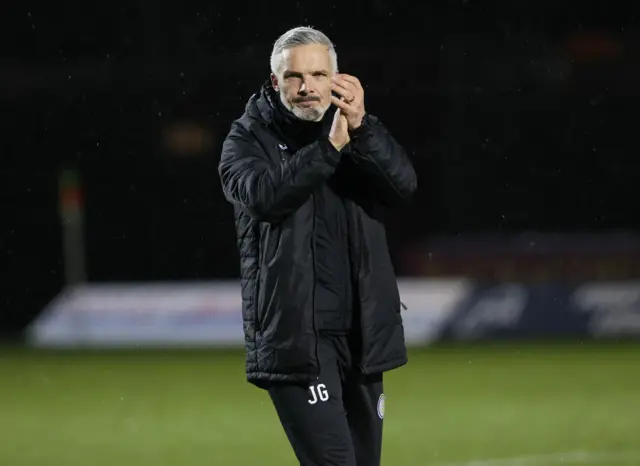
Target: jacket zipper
363	368
313	296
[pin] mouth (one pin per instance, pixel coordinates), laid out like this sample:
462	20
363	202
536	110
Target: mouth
307	103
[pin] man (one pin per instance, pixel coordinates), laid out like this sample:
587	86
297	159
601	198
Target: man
308	171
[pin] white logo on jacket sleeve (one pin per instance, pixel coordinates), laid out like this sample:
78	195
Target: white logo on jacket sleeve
381	406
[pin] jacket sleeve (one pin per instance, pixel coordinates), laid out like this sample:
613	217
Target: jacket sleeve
385	162
266	190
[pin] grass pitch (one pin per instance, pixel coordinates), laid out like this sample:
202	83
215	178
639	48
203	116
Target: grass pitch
491	405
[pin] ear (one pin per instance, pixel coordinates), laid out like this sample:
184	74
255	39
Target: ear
274	81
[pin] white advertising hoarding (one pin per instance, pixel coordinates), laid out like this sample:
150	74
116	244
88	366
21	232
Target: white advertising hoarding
200	314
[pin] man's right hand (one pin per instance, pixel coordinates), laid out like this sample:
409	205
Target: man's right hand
339	134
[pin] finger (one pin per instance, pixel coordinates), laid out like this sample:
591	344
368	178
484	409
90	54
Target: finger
351	80
342	105
344	93
344	84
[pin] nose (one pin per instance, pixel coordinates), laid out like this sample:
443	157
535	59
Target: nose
304	88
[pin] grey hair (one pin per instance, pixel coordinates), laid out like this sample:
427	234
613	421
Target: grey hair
301	35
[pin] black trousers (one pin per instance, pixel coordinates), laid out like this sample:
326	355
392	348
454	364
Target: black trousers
337	420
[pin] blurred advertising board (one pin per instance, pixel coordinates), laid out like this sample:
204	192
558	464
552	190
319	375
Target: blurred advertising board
592	310
198	314
155	314
209	313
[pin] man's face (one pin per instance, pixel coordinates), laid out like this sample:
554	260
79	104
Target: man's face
304	81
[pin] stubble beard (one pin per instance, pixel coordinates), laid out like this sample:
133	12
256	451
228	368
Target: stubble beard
307	114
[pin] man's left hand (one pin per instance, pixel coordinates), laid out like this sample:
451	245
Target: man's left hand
352	102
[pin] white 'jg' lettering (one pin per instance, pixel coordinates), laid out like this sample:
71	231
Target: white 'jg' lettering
318	392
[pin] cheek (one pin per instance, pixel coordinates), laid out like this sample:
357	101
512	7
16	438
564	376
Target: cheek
289	92
326	92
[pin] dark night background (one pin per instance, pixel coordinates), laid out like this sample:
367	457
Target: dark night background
520	117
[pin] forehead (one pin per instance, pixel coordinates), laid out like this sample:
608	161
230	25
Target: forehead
306	58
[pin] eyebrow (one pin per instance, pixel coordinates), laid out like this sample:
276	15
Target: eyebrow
298	74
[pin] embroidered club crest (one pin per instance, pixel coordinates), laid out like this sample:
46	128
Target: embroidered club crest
381	406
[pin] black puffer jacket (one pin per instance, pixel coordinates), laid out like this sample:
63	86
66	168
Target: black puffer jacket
274	186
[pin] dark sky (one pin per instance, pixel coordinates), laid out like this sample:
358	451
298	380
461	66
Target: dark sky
519	116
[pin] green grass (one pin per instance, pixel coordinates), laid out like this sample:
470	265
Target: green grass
191	408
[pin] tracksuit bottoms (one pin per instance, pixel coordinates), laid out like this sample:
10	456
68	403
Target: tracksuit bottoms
337	419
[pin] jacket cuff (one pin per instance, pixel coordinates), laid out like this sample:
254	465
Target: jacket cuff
364	127
330	153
